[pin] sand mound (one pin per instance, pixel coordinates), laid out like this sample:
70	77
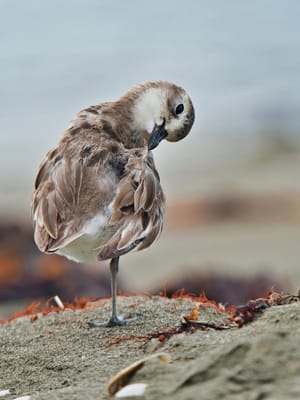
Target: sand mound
59	357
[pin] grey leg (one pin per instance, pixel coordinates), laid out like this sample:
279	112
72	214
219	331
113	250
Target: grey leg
114	320
114	269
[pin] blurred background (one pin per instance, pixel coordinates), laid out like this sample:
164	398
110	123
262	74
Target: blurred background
232	186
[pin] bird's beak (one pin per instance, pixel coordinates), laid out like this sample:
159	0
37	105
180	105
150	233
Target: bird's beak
158	134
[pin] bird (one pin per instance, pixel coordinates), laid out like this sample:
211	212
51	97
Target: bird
97	194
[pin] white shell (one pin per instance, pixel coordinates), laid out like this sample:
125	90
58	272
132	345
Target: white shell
59	302
23	398
4	392
134	389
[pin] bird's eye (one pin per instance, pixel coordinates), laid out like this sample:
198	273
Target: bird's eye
179	109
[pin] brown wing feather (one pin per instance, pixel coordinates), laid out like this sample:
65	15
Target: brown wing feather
64	185
49	214
146	192
76	181
138	208
52	199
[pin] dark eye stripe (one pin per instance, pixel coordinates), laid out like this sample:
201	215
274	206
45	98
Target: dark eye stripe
179	109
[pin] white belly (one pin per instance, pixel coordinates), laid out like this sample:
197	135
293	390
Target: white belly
86	247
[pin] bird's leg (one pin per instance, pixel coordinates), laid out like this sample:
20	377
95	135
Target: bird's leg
114	269
114	320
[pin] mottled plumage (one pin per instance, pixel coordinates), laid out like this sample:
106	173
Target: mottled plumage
97	194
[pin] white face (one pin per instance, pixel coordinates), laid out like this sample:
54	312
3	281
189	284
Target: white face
148	109
157	105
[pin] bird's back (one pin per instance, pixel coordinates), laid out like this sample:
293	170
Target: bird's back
93	197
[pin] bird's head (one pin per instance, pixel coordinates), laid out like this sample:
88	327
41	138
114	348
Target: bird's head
164	111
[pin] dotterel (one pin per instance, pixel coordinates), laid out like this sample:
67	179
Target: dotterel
97	194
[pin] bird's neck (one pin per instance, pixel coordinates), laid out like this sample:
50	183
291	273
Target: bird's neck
119	122
136	114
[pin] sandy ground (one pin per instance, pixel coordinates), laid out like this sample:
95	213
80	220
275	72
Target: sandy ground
60	357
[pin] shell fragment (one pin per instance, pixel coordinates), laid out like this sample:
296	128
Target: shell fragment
120	380
134	389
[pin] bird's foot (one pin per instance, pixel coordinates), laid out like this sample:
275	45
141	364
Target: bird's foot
114	321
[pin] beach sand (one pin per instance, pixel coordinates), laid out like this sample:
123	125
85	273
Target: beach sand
59	357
